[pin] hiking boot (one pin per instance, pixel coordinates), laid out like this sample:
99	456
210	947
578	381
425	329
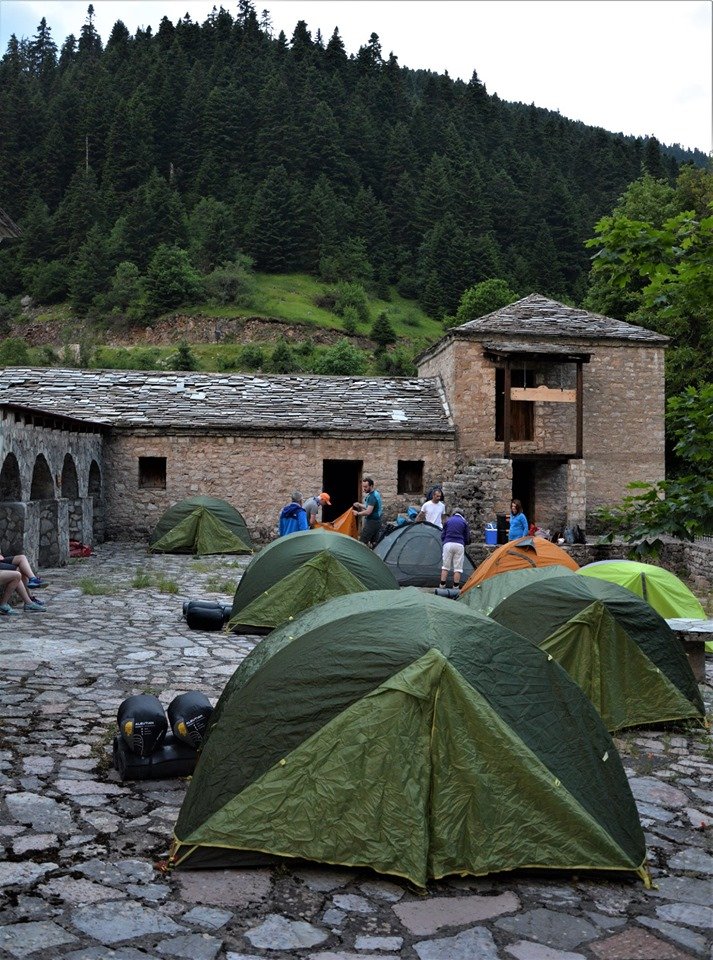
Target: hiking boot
6	610
34	607
37	600
37	583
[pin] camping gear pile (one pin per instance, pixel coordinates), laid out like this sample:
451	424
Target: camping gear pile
153	743
201	525
301	570
413	552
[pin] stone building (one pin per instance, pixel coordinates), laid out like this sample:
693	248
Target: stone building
88	454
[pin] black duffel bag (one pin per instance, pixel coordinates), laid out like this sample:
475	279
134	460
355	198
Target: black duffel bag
171	759
206	614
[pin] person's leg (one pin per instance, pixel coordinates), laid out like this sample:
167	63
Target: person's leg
10	580
23	565
458	558
447	562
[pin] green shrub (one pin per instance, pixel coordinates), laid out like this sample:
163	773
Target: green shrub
13	352
352	295
48	282
253	357
283	359
230	282
342	360
351	319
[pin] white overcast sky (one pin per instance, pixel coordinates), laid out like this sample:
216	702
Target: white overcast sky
640	67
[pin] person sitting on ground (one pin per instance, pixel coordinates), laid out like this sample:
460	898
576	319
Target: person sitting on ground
21	563
313	506
371	511
293	516
10	582
433	510
518	521
455	536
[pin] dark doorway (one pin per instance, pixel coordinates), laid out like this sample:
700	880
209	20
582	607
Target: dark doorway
341	479
523	486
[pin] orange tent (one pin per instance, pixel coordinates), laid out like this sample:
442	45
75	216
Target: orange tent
518	555
345	523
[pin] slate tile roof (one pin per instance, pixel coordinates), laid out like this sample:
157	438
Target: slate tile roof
133	399
537	316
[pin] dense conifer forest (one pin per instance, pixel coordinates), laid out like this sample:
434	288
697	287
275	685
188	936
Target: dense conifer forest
163	168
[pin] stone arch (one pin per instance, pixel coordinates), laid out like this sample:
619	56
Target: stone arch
94	490
70	481
42	487
10	480
51	518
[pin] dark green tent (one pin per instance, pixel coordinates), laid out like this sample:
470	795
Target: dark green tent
618	649
486	595
202	525
318	579
406	733
413	552
285	555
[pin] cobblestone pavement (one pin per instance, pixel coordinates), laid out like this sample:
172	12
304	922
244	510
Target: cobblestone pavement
77	878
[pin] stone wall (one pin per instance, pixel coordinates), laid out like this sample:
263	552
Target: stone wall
50	485
480	490
256	474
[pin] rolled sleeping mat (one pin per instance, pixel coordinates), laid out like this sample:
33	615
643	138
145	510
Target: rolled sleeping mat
188	715
208	604
450	593
171	759
206	614
142	724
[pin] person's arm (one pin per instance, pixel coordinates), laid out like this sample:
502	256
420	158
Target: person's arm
302	523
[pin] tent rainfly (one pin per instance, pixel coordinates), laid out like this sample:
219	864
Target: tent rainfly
413	552
406	733
659	587
202	525
619	650
525	553
486	595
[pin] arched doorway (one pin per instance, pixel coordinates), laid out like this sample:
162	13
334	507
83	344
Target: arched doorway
12	514
42	491
70	492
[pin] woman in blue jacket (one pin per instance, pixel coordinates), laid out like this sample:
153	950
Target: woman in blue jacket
519	526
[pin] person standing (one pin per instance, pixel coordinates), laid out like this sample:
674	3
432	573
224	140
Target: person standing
313	506
455	536
433	510
293	516
519	526
371	511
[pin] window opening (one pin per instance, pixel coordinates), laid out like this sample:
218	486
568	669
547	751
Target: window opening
152	473
410	476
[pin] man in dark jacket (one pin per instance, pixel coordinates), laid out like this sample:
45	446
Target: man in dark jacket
293	516
455	536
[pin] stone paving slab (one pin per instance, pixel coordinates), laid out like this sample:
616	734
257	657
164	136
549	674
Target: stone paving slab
79	849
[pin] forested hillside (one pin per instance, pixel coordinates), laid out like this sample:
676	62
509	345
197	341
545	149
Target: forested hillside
180	154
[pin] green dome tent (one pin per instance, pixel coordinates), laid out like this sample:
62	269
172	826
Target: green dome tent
201	525
413	552
620	651
284	556
320	578
486	595
660	588
405	733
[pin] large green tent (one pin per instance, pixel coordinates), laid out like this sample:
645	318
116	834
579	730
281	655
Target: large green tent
406	733
618	649
320	578
486	595
285	555
659	587
201	525
414	552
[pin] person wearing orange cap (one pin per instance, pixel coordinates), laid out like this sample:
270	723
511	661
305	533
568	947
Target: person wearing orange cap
313	506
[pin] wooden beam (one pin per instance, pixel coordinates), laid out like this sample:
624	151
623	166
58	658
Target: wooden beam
544	394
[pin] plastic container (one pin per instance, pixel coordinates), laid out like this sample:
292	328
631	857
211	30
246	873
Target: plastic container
491	534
